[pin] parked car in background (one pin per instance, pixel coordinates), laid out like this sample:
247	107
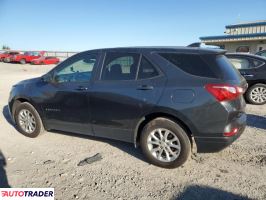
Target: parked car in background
27	57
261	53
253	68
161	98
7	54
45	60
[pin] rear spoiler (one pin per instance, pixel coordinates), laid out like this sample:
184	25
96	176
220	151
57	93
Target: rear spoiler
202	45
216	49
195	44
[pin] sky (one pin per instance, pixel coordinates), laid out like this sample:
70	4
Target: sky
77	25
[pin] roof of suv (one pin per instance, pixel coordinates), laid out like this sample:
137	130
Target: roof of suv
169	49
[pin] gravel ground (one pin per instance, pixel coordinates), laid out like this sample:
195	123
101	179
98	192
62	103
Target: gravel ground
117	170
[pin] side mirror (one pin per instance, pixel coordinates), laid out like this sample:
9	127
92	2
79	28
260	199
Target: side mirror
47	78
56	79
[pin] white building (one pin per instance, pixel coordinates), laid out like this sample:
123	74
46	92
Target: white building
242	37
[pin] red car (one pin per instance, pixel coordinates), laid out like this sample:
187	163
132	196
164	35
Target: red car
45	61
7	54
27	57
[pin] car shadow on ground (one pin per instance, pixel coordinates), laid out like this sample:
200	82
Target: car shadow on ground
256	121
3	177
124	146
201	192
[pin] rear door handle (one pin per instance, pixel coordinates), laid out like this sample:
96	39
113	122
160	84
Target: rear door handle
145	87
82	88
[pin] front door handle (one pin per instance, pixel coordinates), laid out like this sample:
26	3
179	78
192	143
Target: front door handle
82	88
145	87
248	75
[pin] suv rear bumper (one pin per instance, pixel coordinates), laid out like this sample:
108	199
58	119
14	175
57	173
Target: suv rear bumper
215	144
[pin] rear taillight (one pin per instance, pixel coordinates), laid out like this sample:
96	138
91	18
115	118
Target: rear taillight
231	132
224	92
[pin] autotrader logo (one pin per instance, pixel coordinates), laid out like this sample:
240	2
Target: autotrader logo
27	193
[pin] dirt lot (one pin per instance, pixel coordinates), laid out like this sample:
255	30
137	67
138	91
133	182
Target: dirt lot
51	160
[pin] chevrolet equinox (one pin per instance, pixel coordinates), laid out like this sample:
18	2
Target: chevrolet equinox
161	98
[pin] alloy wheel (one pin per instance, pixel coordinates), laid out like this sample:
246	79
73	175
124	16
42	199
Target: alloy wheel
258	95
27	121
164	145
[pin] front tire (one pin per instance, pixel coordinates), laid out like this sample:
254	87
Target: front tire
22	61
165	143
28	120
256	94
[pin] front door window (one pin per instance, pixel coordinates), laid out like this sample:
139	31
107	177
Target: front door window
77	69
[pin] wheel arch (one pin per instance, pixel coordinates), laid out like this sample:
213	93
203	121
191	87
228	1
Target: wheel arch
22	100
260	81
180	120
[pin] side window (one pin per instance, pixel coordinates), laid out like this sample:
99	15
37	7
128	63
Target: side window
35	53
120	66
76	69
146	69
257	63
190	63
240	63
262	54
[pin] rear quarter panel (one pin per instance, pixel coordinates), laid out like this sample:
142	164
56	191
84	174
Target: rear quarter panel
186	98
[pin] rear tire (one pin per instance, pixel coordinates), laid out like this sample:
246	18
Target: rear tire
28	120
165	143
256	94
22	61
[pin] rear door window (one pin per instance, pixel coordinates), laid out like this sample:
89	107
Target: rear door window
241	63
146	69
190	63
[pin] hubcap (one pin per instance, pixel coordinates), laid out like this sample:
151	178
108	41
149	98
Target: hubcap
258	95
164	145
27	121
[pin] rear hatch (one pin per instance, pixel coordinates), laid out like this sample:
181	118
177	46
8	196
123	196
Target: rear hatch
232	87
230	77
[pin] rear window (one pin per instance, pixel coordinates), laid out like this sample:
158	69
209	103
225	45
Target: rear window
190	63
227	68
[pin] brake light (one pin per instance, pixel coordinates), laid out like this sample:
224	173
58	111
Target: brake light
224	92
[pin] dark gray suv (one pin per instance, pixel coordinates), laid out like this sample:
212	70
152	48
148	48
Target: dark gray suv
161	98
